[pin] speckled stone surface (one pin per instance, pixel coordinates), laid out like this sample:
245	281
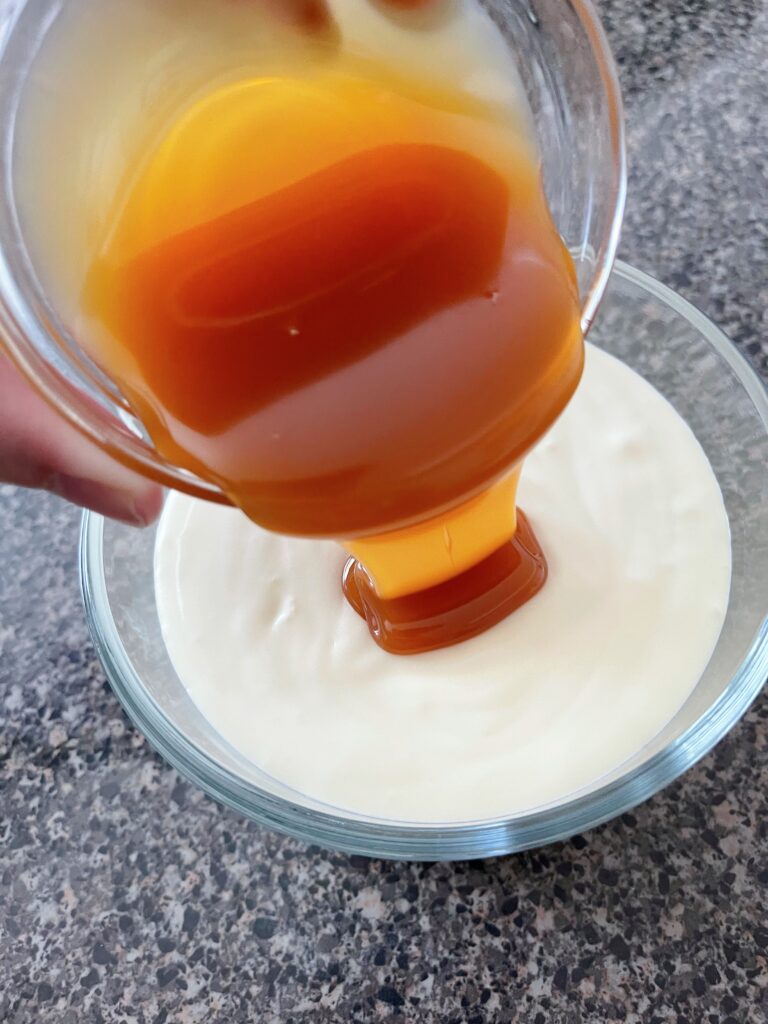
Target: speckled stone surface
129	898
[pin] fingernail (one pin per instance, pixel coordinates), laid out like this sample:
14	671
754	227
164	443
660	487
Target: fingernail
148	506
108	501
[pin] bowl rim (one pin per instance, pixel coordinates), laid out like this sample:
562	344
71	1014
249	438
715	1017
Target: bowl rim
358	834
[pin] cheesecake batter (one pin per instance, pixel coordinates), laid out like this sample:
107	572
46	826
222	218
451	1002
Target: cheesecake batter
626	506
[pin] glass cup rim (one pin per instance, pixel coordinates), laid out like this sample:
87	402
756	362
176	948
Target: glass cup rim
28	336
355	833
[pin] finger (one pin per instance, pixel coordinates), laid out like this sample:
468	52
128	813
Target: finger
311	16
40	449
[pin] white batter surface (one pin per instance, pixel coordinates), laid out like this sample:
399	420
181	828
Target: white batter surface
631	518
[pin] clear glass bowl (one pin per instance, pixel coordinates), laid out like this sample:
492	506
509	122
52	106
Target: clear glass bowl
570	82
699	371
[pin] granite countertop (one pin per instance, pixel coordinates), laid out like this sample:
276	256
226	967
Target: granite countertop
130	898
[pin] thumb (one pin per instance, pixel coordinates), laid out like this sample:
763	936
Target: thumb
40	449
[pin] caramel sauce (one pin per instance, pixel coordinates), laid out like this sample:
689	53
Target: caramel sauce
351	332
459	608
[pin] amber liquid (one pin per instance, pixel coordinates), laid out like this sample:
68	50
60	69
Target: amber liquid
457	609
357	351
353	349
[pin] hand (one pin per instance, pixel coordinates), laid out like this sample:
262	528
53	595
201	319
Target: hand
315	17
312	16
39	449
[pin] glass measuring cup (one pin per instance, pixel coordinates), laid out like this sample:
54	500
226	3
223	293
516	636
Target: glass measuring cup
570	83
